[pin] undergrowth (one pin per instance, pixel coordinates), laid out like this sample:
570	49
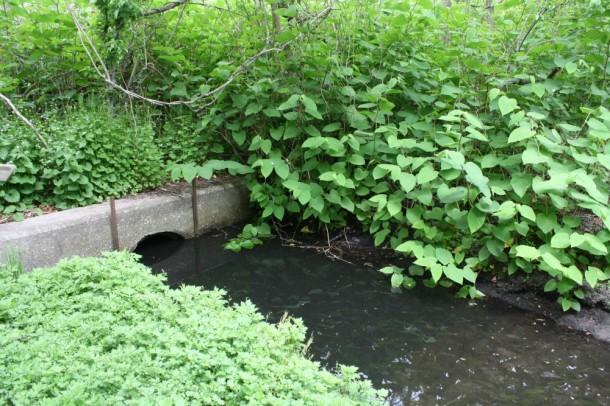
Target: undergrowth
105	331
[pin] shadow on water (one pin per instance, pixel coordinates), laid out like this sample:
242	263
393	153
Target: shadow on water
424	346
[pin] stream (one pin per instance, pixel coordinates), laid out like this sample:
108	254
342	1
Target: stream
424	345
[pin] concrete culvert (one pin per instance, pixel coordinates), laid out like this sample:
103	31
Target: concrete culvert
159	246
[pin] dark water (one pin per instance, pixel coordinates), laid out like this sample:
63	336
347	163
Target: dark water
423	345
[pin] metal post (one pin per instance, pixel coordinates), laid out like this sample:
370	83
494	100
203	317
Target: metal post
194	205
114	229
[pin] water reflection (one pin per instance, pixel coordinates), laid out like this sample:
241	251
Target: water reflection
425	346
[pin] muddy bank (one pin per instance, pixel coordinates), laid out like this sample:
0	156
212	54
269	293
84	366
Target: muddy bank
593	319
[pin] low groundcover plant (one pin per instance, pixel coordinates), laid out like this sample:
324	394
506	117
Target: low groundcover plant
107	331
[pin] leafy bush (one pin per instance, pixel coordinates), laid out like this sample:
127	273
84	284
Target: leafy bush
26	186
410	128
470	138
106	331
92	155
181	141
95	155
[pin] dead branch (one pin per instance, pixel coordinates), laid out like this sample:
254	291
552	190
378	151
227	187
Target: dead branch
174	4
163	9
332	249
11	106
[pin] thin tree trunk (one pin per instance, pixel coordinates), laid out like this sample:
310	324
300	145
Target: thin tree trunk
489	6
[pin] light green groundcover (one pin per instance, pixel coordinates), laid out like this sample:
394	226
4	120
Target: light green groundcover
107	331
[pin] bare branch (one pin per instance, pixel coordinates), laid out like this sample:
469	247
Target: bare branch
177	3
519	81
100	67
10	104
167	7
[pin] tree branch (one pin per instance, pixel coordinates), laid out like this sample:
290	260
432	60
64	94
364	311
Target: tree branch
163	9
519	81
177	3
10	104
100	67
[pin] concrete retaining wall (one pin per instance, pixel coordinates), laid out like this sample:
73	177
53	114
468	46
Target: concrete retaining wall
44	240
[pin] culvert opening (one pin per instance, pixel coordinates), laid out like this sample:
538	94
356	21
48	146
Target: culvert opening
158	247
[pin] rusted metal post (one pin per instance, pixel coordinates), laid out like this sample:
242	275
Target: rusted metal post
114	229
194	205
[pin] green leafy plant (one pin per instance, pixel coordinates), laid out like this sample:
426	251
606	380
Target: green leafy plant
441	158
106	331
250	237
91	156
470	138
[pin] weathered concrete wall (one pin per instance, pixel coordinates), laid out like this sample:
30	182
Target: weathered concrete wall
44	240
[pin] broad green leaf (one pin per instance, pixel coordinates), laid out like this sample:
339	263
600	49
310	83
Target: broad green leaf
444	256
394	206
290	103
266	167
557	184
550	286
329	128
573	273
527	252
520	183
397	280
552	261
253	108
310	107
389	270
281	168
437	272
506	105
591	277
189	172
604	159
476	177
407	181
426	174
533	156
569	127
546	222
520	133
506	211
450	195
476	219
454	273
411	246
588	242
560	240
313	142
453	159
526	211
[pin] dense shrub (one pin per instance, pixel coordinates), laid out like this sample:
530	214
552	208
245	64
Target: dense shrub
409	126
470	136
95	155
181	140
26	187
91	155
106	331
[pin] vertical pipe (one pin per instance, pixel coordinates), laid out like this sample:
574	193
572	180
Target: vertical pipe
194	205
114	229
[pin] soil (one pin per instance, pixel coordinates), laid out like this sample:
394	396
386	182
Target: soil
29	213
